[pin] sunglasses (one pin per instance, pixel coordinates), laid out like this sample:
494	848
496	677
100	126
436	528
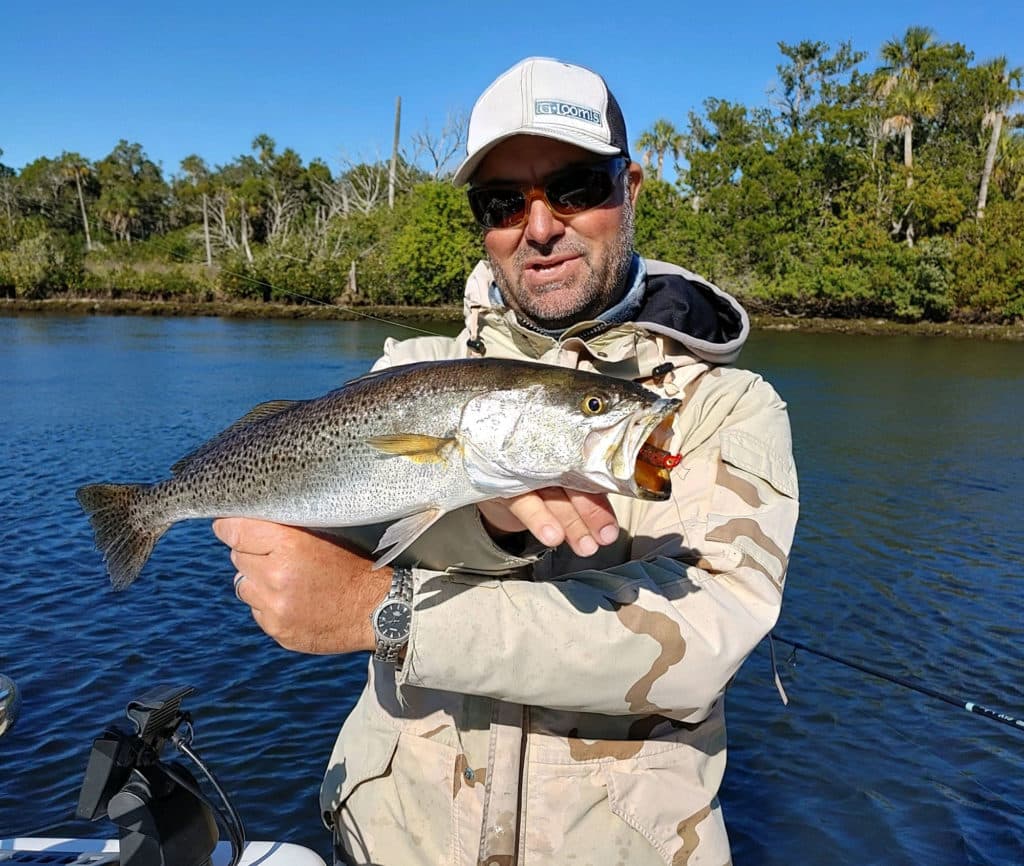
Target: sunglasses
566	193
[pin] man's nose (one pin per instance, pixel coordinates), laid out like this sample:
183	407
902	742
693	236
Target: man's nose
542	225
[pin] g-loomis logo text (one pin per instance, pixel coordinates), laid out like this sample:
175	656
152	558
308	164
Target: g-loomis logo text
567	109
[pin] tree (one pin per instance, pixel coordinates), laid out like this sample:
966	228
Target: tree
436	246
77	167
1001	90
133	197
808	77
715	149
42	190
442	148
905	91
903	85
197	176
659	140
284	187
8	178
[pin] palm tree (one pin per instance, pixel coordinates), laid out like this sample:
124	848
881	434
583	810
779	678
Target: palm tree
906	93
75	167
199	176
1001	90
906	101
659	140
901	84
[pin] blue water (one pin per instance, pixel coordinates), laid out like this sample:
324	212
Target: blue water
907	559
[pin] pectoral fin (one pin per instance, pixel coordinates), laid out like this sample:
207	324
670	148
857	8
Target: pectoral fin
404	532
415	446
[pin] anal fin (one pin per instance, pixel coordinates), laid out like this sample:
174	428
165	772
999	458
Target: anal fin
404	532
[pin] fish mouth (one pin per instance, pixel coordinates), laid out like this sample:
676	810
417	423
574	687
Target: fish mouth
647	464
632	459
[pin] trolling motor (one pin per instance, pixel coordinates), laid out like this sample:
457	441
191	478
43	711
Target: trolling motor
164	817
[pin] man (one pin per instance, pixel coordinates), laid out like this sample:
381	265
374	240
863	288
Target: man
558	695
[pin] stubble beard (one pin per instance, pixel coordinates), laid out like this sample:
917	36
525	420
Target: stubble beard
560	304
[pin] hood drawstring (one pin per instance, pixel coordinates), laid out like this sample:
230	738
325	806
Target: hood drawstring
475	344
662	371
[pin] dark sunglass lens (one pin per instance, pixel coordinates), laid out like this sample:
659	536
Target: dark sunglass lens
579	189
496	208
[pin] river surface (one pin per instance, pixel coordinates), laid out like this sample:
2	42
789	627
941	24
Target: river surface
908	559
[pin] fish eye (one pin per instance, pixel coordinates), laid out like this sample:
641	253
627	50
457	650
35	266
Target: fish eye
593	404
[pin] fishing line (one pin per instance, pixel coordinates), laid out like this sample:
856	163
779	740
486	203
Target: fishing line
970	706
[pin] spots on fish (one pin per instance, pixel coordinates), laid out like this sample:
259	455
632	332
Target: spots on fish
687	831
667	634
310	462
748	528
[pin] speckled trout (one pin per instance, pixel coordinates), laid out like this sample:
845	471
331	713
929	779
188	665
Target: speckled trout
405	444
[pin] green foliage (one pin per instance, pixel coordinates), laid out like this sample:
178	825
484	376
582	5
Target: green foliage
151	283
988	268
669	228
42	264
435	248
180	246
894	191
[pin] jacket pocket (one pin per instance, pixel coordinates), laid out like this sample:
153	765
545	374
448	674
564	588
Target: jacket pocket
658	796
751	454
353	763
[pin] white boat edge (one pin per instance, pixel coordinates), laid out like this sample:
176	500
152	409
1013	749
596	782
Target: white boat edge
255	854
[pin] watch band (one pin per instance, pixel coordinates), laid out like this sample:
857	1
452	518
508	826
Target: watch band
389	649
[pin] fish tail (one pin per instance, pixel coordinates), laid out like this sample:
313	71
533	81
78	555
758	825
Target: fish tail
124	526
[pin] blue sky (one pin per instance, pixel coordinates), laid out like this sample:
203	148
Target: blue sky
322	77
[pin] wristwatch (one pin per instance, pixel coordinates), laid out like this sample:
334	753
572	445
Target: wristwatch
392	618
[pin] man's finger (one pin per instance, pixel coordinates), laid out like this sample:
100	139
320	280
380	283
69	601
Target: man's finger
596	512
534	512
577	533
249	563
245	534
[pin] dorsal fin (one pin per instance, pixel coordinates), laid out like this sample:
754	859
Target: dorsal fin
253	416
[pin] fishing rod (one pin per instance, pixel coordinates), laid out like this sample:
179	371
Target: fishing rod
969	706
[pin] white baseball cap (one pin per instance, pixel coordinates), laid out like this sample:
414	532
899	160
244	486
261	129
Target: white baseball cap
549	98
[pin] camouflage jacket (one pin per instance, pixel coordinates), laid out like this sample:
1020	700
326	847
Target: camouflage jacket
553	709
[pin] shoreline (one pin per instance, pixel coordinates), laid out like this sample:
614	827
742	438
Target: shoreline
261	310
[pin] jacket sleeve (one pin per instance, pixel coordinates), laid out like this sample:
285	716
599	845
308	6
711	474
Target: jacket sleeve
697	583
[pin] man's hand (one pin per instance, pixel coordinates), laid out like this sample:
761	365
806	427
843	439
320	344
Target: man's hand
553	514
307	592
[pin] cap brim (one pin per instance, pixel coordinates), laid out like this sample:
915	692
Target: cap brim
471	163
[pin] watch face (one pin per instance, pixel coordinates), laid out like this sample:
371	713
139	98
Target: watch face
393	620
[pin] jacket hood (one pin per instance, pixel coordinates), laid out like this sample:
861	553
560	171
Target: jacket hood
678	304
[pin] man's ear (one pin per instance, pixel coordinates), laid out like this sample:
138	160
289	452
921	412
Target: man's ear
636	180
